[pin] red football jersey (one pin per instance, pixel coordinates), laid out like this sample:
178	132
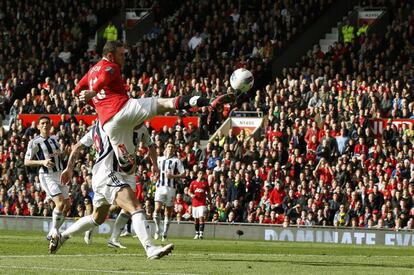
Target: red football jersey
105	79
199	190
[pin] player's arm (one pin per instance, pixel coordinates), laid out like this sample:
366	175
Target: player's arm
29	157
153	157
181	170
82	89
208	195
104	77
190	191
145	137
84	143
83	84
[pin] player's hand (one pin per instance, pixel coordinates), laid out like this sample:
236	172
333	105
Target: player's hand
86	95
66	176
48	163
169	174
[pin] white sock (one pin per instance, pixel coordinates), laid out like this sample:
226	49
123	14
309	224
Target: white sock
166	225
57	220
157	221
60	221
83	224
141	228
120	222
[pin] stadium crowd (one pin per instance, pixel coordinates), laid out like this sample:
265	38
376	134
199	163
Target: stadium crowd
317	162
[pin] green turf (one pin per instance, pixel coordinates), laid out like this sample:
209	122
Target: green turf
26	253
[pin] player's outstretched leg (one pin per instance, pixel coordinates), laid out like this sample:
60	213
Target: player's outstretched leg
82	225
188	102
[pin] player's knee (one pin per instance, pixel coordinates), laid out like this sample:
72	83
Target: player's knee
98	218
59	204
165	105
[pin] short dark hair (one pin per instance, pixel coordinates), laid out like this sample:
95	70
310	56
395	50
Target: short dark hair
169	142
43	117
111	46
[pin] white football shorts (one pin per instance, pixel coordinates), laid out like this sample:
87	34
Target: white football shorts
106	184
50	183
165	195
199	211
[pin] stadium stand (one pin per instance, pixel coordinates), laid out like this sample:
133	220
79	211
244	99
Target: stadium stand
336	148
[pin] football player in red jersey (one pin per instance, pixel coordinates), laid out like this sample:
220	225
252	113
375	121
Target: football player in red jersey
199	191
103	87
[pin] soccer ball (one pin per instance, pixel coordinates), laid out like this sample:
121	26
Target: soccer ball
241	80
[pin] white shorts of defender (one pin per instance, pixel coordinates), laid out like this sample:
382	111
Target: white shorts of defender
199	211
165	195
106	184
51	185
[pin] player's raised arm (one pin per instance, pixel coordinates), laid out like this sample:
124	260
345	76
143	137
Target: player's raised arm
144	136
83	84
85	142
73	157
153	157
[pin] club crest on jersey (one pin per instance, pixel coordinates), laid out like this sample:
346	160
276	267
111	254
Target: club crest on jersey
109	70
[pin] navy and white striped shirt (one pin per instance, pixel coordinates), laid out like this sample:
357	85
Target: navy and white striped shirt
174	165
45	148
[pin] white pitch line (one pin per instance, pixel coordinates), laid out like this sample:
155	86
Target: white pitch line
89	270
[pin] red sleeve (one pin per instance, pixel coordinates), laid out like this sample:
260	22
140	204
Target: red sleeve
82	85
104	77
271	198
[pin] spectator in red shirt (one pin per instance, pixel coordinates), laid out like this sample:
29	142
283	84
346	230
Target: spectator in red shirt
361	148
276	198
180	206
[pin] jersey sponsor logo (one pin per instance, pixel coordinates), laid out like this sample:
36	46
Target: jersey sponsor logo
199	190
109	70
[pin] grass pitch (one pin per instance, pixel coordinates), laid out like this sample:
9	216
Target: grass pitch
26	253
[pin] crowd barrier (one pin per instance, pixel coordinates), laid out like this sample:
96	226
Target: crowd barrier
242	231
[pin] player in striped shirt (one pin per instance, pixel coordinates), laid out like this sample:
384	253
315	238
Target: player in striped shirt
171	169
44	152
107	182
